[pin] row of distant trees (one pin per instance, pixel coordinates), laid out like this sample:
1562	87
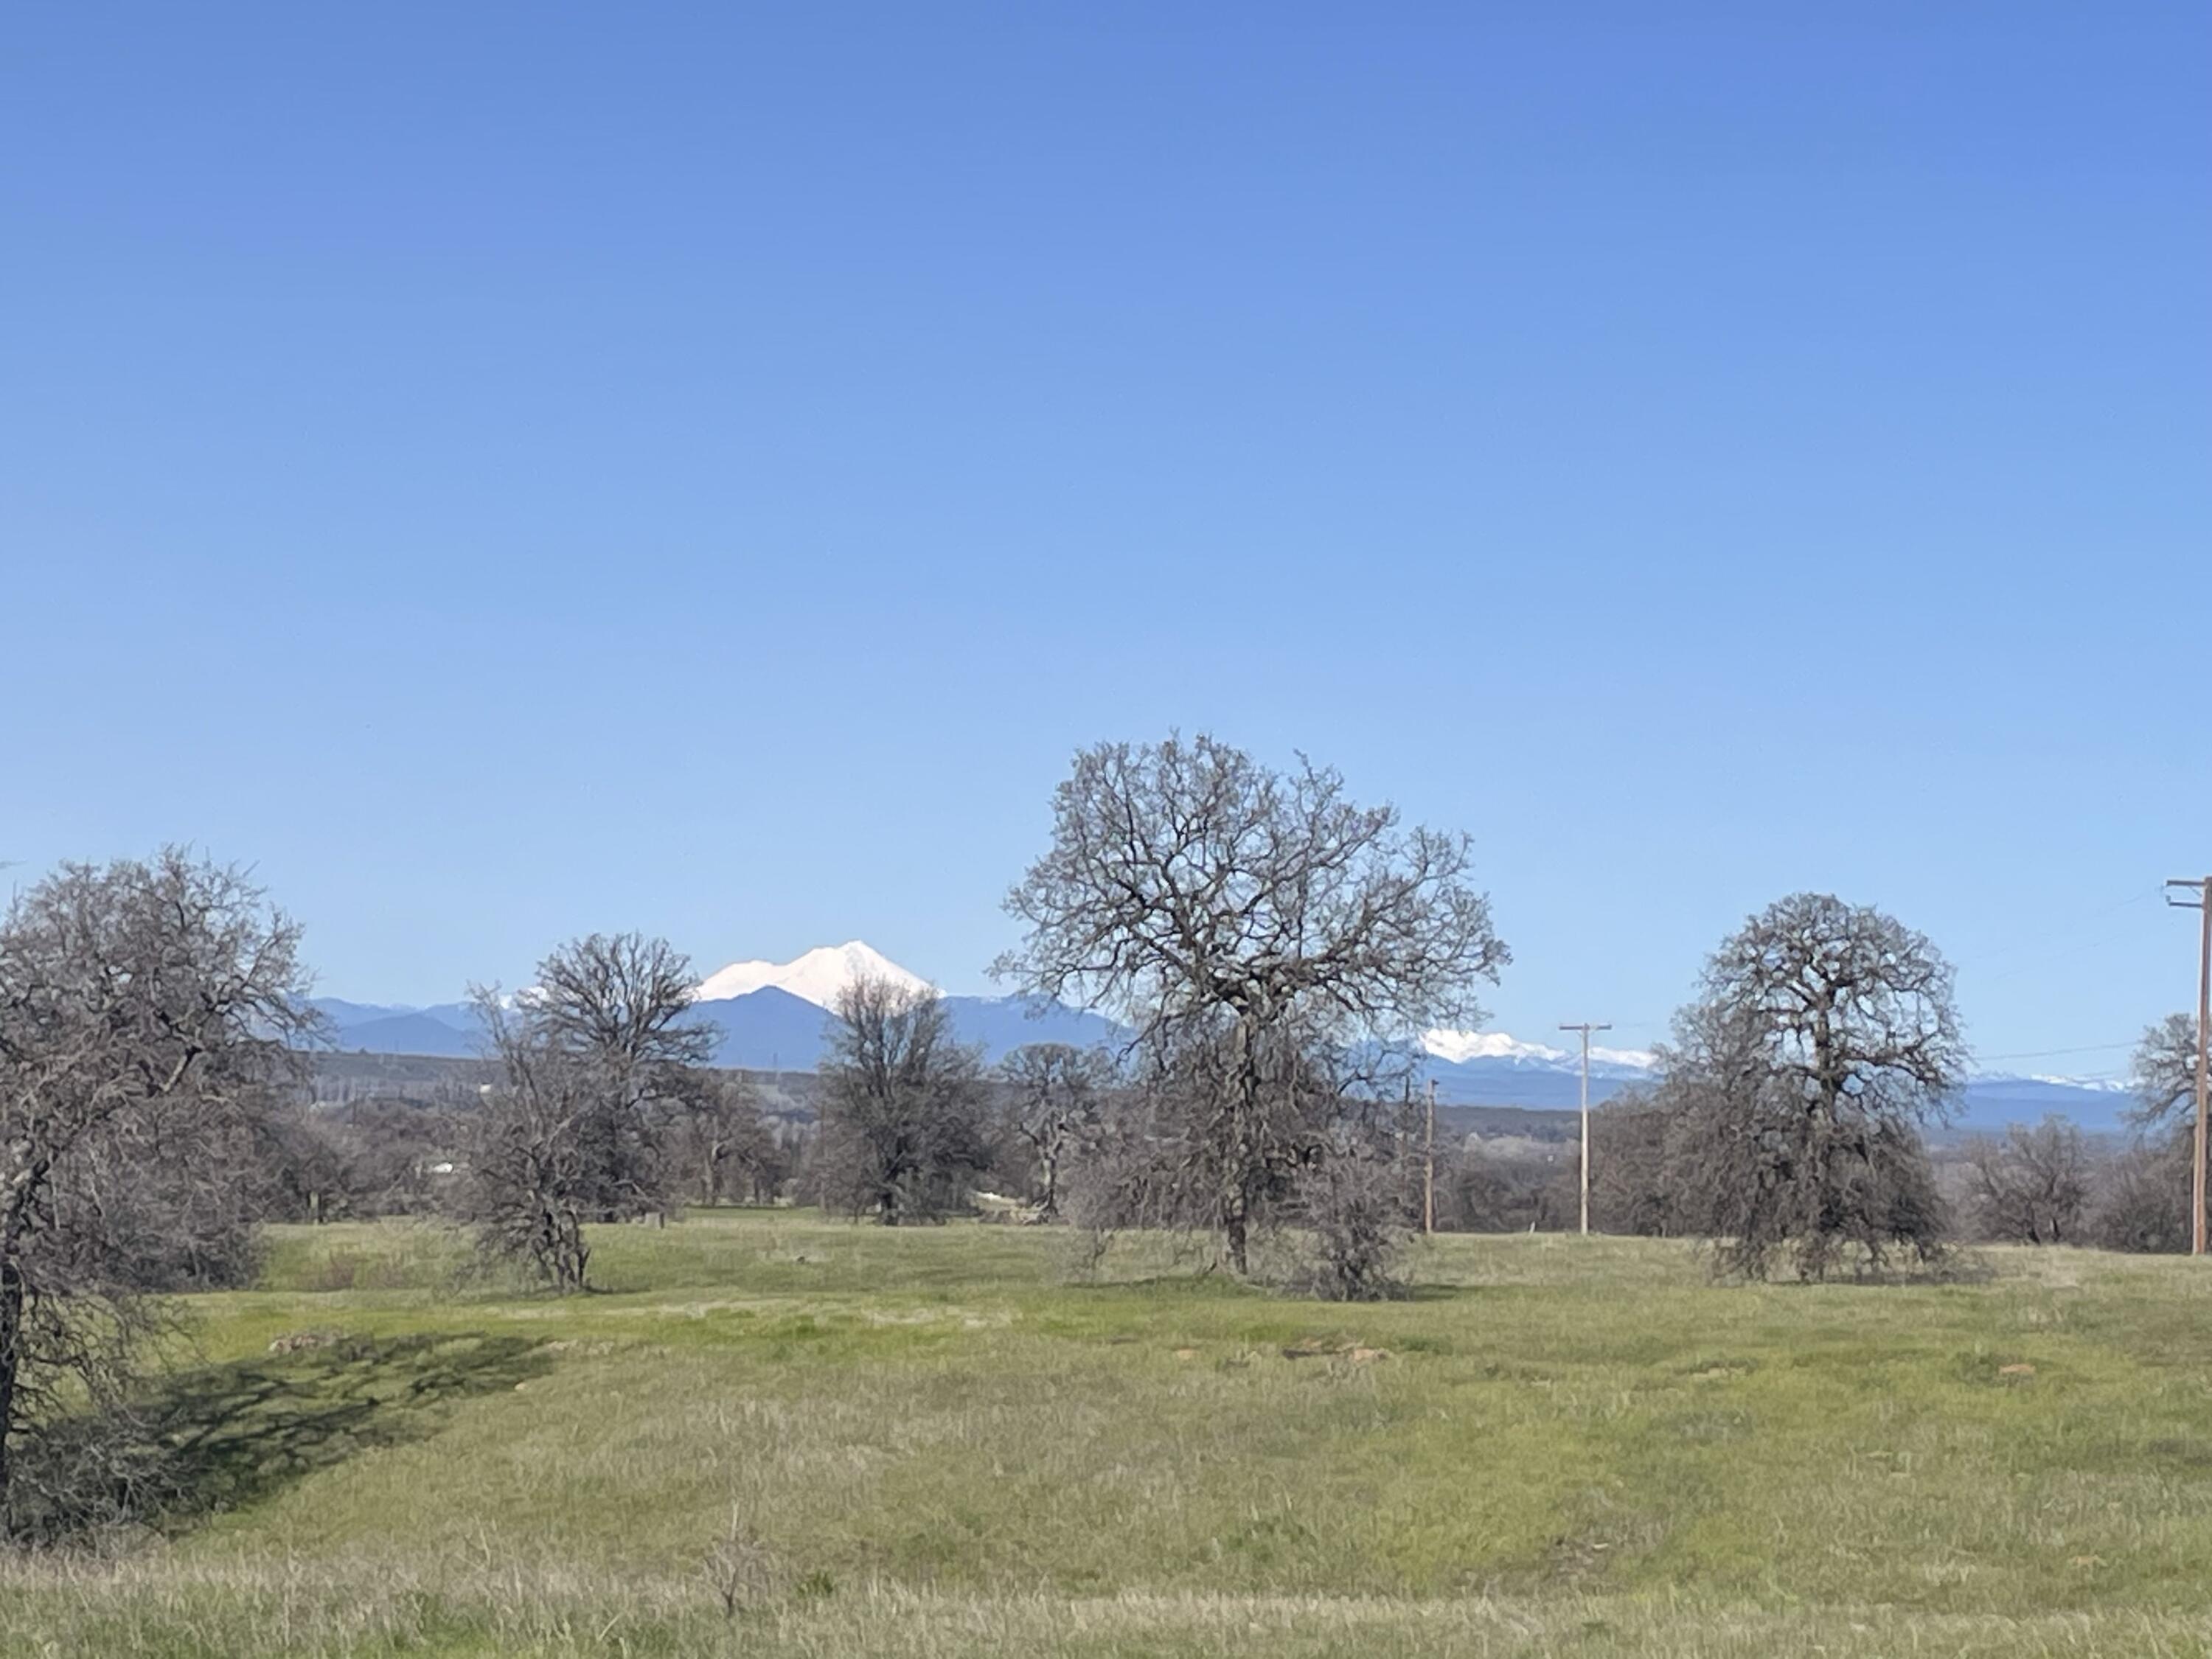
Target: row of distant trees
911	1122
1789	1127
2046	1183
1272	947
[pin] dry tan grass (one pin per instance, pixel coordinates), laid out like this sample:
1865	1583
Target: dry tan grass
321	1612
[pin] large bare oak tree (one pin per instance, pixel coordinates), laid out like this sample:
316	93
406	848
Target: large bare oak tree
902	1106
1825	1035
2162	1073
596	1067
146	1011
1265	937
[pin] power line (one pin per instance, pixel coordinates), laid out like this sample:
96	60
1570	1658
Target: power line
2052	1054
2042	943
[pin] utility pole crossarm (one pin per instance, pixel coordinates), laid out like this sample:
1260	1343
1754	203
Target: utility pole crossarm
1586	1027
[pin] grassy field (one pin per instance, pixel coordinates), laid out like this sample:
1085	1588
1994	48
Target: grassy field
774	1434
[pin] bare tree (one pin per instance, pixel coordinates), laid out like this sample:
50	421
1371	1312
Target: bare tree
2142	1200
1256	930
1354	1206
531	1181
1129	1172
2142	1194
2163	1072
145	1013
371	1157
2031	1186
1825	1036
902	1106
596	1066
727	1145
1057	1093
616	1005
1506	1184
1633	1189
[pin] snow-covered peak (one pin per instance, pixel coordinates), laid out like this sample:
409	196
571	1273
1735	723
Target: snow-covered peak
818	976
1459	1046
2108	1085
1637	1059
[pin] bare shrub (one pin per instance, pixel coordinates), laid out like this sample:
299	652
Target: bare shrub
2142	1201
1354	1207
739	1568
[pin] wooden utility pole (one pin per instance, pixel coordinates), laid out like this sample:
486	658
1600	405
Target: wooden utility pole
1429	1166
2202	902
1586	1027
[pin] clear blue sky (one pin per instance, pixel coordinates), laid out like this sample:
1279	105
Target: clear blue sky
510	472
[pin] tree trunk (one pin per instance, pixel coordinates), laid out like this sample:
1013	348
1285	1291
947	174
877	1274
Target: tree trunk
1242	1150
11	1329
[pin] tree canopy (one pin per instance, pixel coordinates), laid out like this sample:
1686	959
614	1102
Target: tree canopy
1825	1036
1272	945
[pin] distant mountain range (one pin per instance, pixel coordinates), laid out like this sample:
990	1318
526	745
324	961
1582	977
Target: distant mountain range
774	1016
1988	1102
768	1016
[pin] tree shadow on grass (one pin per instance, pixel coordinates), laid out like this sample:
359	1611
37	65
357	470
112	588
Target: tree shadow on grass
223	1436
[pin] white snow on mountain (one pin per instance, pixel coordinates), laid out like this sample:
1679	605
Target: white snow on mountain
1460	1046
818	976
1457	1045
1642	1059
1457	1048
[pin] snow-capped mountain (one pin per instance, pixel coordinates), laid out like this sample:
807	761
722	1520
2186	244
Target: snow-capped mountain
774	1015
1495	1068
1459	1046
1492	1068
771	1015
816	977
2109	1086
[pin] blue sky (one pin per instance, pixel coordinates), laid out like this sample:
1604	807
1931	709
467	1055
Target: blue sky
506	472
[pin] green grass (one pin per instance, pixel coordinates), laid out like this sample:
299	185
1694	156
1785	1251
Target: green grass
945	1440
